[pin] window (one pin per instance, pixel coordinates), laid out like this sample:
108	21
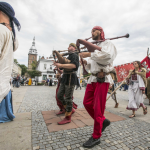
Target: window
44	66
50	76
32	57
44	77
51	67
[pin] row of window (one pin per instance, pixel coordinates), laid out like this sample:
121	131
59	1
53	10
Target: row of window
45	76
46	67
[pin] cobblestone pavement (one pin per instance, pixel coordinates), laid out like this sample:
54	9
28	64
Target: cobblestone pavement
122	135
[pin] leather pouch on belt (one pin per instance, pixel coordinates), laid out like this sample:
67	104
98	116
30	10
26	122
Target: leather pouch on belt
101	77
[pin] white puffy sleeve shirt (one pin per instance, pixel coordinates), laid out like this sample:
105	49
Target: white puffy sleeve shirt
102	60
6	60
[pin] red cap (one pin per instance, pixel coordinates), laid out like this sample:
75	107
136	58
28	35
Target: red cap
102	32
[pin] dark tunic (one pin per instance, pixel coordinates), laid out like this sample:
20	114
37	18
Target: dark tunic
74	80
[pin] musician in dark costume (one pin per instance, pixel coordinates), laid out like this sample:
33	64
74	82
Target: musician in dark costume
68	82
59	103
100	64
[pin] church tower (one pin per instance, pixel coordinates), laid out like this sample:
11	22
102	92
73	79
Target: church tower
32	55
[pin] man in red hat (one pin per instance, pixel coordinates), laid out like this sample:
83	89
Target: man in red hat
100	63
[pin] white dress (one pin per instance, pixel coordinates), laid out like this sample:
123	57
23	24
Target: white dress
136	86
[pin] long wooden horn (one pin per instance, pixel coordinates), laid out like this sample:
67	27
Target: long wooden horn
118	86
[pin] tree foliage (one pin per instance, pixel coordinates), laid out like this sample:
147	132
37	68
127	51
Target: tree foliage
34	73
24	69
15	60
22	66
34	65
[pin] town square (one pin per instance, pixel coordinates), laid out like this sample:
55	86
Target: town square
30	131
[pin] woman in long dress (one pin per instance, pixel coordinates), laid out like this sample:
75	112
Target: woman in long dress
30	81
136	89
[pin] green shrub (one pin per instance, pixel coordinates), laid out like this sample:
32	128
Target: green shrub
40	84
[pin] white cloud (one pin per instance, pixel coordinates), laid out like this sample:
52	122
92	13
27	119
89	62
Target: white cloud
55	24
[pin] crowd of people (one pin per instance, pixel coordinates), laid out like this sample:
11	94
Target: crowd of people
100	63
18	81
49	81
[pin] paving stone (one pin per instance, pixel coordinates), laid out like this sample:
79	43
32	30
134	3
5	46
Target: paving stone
68	147
125	134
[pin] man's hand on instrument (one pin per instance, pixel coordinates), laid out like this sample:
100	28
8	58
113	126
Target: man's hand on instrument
80	41
85	54
84	61
58	65
60	71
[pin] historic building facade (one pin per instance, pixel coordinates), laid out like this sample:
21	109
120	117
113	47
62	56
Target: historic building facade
32	55
45	66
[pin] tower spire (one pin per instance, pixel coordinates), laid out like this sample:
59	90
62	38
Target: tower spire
33	43
33	50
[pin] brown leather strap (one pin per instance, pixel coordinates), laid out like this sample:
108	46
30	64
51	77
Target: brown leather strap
101	74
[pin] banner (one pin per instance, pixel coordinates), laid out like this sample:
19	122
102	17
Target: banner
122	71
146	64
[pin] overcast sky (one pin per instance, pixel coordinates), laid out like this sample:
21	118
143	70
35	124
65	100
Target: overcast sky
56	23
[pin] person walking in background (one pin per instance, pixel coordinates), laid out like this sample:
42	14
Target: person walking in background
77	86
35	81
11	83
30	81
18	81
47	80
14	82
8	44
120	87
137	84
50	81
125	86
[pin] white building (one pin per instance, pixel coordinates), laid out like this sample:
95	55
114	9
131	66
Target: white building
16	70
46	67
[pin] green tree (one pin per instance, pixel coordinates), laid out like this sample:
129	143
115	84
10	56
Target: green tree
15	60
34	73
34	65
24	69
